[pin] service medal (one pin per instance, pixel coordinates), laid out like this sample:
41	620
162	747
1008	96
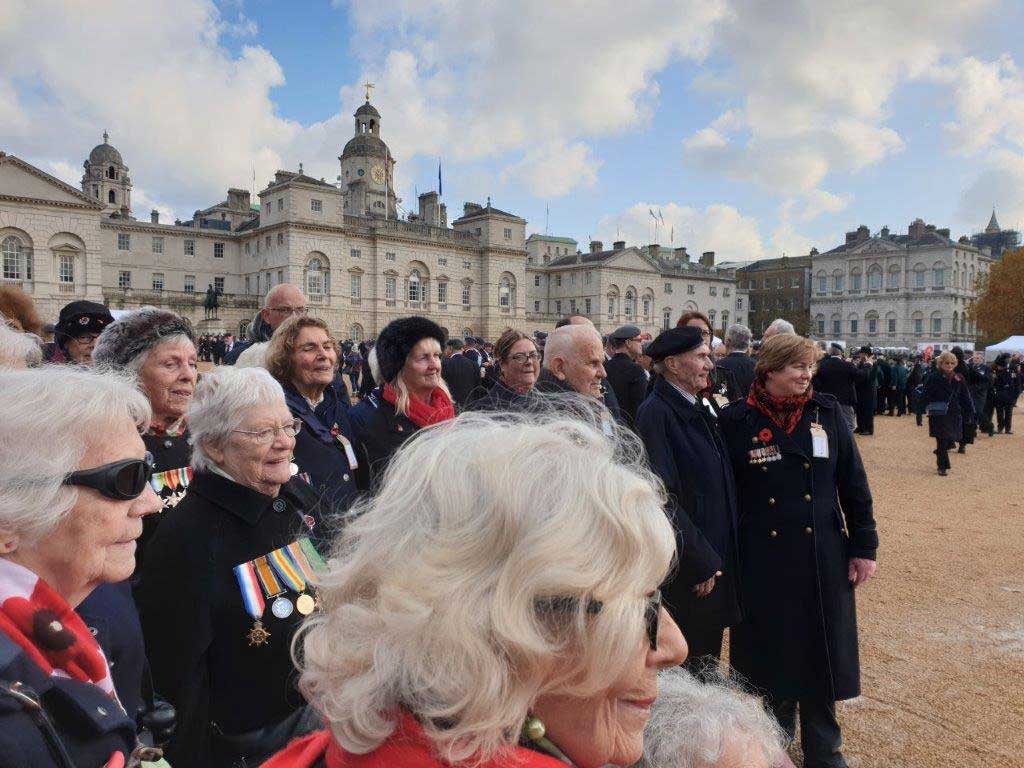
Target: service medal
305	604
282	607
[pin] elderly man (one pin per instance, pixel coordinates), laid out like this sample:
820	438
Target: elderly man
626	377
282	301
777	326
738	360
685	448
573	362
611	402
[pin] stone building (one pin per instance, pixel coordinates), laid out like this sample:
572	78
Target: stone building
778	288
887	290
359	263
995	240
647	286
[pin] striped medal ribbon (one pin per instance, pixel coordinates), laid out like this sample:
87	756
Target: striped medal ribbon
252	598
171	478
305	603
292	576
281	607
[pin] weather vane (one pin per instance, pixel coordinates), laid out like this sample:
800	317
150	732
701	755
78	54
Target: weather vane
368	86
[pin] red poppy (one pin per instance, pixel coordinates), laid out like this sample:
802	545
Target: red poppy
765	435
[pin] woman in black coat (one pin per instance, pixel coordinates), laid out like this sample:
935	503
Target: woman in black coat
807	538
518	366
949	407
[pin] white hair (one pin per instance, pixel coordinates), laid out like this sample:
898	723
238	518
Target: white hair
779	325
135	364
692	723
48	418
222	400
563	342
434	598
18	350
737	337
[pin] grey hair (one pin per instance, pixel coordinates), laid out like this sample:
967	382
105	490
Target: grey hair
221	402
430	598
693	723
778	325
48	418
136	363
563	342
737	337
18	349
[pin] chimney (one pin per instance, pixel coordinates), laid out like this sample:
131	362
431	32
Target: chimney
429	209
470	208
681	255
944	232
654	250
618	245
154	216
884	233
708	258
863	233
916	229
596	246
239	199
850	237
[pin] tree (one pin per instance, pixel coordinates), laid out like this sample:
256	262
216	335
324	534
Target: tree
999	310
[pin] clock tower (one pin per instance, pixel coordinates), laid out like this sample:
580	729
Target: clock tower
367	168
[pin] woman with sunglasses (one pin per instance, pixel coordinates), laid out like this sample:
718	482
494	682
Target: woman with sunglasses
220	594
511	619
74	489
518	369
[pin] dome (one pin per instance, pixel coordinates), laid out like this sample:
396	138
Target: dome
367	109
365	145
104	154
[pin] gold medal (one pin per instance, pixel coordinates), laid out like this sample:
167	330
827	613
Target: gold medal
258	635
305	604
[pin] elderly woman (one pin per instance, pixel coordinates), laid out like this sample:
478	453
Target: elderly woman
78	327
510	619
73	493
413	393
518	369
218	600
709	725
948	405
18	350
303	357
807	538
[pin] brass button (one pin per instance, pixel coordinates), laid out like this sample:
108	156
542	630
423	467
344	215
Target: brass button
771	502
807	465
807	497
773	533
808	530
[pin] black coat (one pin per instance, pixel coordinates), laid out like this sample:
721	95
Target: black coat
937	388
193	616
981	386
801	520
1005	387
741	366
837	377
170	452
501	399
869	376
462	376
629	382
548	383
380	431
88	723
686	450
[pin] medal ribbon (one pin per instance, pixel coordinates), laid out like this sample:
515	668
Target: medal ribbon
285	568
267	578
299	560
311	554
171	478
251	595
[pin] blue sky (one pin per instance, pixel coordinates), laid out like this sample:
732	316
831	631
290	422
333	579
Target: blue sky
756	129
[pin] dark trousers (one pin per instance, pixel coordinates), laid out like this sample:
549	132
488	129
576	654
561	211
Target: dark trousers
942	447
880	400
705	649
987	423
866	417
820	737
1004	416
897	402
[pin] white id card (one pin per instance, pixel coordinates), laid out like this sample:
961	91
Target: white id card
819	442
353	463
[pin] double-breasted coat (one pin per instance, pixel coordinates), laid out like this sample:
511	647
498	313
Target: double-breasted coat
953	391
801	519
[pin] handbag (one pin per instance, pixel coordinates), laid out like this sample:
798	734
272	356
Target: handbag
939	407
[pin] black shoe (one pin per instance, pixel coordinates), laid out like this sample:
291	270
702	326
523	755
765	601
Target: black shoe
961	449
943	472
1009	432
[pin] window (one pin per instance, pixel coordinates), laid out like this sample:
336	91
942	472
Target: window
558	307
356	286
588	277
124	279
647	309
739	303
891	323
267	243
855	282
190	247
158	245
725	318
442	261
572	306
711	317
316	281
124	241
96	191
690	289
389	257
918	326
17	260
280	204
936	323
872	325
630	305
919	276
587	306
66	268
794	281
558	280
536	281
894	279
505	293
666	319
822	284
536	306
727	291
280	238
465	265
248	250
316	206
478	231
836	330
465	294
158	281
572	278
938	277
190	284
112	197
442	293
874	279
508	233
218	284
390	288
611	307
821	325
355	253
712	290
668	287
218	250
415	292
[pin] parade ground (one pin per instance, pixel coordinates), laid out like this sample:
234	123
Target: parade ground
942	622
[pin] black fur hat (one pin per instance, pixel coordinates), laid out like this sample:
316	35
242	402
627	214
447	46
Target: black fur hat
397	340
136	333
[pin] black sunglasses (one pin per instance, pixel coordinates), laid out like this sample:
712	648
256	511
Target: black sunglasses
121	480
652	611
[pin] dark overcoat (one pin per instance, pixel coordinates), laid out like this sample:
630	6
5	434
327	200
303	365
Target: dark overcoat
170	453
741	366
629	382
687	452
801	519
380	431
502	399
462	376
837	377
938	388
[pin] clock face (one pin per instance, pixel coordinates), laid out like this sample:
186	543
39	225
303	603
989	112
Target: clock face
378	174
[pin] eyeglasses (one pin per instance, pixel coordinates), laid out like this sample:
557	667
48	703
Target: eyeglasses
522	357
122	480
265	436
289	310
86	338
652	611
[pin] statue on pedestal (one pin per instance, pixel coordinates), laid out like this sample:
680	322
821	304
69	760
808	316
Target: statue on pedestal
211	302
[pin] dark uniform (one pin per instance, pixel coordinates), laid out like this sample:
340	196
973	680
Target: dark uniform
868	377
801	520
741	366
228	693
629	382
1005	391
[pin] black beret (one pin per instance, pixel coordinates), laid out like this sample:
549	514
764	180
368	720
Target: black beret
81	317
865	350
455	344
624	333
397	340
675	341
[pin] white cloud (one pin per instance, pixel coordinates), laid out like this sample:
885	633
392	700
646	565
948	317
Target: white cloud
989	100
999	184
555	169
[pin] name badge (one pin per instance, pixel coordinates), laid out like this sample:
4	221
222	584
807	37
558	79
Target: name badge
819	442
350	454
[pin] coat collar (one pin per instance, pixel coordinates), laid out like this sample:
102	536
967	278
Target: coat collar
239	500
682	407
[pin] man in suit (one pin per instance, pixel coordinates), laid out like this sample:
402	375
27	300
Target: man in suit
868	378
625	375
738	360
460	373
838	377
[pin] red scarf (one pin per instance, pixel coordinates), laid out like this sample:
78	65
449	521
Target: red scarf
784	412
423	414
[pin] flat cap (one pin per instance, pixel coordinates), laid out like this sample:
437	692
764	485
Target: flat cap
624	333
675	341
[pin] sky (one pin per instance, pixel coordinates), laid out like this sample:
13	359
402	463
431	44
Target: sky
754	129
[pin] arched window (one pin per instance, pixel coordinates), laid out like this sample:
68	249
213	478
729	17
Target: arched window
613	304
936	322
819	323
112	196
415	286
111	172
917	320
711	317
316	282
855	277
355	332
648	304
506	292
666	319
875	278
919	276
836	325
854	324
890	323
630	304
894	278
872	320
939	275
837	280
17	259
725	318
822	281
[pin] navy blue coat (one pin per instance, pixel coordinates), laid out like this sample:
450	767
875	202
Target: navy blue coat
686	450
629	383
937	388
801	519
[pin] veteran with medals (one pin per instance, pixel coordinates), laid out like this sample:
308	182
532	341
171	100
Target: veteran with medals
226	579
807	539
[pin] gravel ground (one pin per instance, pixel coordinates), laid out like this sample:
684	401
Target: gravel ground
942	622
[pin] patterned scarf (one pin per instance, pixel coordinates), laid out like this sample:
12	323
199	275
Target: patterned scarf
784	412
424	414
48	630
177	428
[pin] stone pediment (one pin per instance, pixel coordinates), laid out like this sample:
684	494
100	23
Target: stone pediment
630	258
21	180
873	245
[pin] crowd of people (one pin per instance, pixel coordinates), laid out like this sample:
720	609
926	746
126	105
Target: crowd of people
423	551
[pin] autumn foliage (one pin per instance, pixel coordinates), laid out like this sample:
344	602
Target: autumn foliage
999	310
